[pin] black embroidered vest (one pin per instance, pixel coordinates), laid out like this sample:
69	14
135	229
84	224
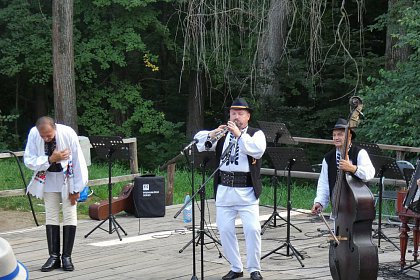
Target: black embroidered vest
254	165
331	160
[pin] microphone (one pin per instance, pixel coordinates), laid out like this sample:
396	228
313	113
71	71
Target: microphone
192	143
228	148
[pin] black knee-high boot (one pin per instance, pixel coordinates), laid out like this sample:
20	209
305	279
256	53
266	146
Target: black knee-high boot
53	241
69	233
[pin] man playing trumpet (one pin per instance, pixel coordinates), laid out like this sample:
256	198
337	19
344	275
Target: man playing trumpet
237	185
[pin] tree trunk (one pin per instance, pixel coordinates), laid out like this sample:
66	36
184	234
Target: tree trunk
272	47
63	64
41	102
195	103
394	54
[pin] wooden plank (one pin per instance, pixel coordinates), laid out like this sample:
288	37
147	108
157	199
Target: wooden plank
115	179
91	183
315	176
170	189
132	147
9	193
9	155
407	149
159	258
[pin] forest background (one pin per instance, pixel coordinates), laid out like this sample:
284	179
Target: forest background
161	70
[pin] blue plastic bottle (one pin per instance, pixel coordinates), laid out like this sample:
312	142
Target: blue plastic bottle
187	212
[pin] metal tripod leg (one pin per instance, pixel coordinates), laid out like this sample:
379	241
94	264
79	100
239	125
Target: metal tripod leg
272	219
113	226
380	235
289	248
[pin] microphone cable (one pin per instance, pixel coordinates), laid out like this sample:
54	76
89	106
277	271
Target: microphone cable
26	186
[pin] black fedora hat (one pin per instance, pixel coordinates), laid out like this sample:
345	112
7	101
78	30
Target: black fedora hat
240	103
342	124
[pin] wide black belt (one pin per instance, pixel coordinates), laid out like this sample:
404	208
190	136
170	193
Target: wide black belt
235	179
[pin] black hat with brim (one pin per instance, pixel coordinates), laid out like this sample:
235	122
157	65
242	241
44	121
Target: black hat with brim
342	124
240	104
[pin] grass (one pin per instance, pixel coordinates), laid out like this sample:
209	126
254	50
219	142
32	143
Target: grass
302	192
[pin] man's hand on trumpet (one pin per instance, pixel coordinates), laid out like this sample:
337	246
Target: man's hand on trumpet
217	131
222	129
234	129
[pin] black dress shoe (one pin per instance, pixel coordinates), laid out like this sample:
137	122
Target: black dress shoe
232	275
256	275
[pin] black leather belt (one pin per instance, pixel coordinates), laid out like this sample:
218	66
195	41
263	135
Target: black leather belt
235	179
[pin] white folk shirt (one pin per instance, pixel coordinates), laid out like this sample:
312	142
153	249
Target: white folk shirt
237	162
365	172
36	160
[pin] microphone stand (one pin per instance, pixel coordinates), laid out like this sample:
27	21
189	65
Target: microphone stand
199	190
190	149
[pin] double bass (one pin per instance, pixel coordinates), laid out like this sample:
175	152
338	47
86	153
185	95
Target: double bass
352	253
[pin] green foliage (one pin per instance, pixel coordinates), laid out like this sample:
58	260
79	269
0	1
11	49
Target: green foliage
128	114
6	137
112	54
25	41
392	100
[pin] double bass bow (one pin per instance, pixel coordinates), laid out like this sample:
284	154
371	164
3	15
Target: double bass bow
352	253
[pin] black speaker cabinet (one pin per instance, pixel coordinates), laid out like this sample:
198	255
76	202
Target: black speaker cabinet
149	196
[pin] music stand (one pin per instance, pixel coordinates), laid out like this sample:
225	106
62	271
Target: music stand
384	166
275	133
203	160
223	160
283	158
371	148
110	148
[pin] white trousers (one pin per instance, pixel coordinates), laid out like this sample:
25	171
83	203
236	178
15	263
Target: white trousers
225	219
52	210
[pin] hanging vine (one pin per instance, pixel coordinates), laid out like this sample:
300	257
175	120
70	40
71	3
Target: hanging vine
222	34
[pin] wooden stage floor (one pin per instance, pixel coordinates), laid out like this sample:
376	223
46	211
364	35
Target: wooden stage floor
154	253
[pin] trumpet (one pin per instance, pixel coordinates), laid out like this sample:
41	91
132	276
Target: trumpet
209	143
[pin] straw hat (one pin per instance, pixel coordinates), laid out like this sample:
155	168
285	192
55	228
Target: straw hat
10	268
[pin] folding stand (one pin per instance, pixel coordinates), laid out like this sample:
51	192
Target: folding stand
275	133
285	158
384	165
371	148
203	160
224	158
110	148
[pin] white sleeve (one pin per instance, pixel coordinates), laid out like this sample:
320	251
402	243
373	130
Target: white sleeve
202	136
31	158
323	187
365	170
253	146
79	163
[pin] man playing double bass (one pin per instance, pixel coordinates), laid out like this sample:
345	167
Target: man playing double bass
358	164
352	254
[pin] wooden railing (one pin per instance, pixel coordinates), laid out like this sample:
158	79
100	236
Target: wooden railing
132	143
400	150
315	176
134	169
